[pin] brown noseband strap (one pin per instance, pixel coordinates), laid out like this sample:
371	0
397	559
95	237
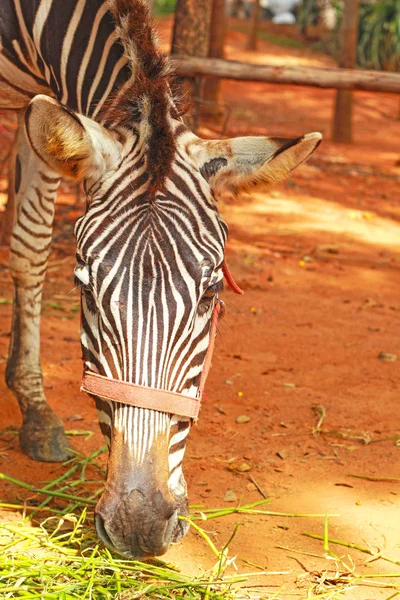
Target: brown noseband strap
139	395
152	398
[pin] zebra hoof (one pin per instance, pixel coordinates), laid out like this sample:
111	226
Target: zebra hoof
44	439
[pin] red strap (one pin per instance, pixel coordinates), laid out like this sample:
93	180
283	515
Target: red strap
213	333
231	282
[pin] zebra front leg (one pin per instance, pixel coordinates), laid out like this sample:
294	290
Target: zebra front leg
42	435
7	216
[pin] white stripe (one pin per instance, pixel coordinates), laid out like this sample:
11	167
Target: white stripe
88	53
176	458
66	47
100	69
41	17
119	65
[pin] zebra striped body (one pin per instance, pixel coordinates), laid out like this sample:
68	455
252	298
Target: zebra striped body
150	246
66	49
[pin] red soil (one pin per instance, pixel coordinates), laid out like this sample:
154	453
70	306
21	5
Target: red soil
319	260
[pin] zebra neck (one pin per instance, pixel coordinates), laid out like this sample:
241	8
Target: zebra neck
87	54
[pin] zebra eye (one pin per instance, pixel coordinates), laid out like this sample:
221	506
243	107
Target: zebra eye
208	297
213	290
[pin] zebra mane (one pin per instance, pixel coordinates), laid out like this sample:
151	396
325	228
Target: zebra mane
146	100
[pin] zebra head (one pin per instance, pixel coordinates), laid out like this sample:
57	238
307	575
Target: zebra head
150	252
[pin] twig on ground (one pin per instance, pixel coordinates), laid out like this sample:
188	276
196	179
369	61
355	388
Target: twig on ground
377	479
263	494
320	411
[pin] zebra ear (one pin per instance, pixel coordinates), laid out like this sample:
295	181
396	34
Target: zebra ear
242	164
73	145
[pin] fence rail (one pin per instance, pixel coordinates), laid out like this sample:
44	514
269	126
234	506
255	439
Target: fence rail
339	79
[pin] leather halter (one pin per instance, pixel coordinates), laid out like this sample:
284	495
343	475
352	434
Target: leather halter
155	399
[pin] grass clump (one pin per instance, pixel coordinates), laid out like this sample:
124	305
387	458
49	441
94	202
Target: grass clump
51	551
60	559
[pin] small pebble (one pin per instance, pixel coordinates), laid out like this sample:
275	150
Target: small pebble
75	418
243	419
243	468
230	496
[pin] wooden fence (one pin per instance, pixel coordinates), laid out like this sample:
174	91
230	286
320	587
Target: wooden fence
339	79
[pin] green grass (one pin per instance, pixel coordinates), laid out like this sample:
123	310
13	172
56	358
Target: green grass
53	552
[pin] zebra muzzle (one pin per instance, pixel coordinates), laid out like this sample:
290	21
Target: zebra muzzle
138	515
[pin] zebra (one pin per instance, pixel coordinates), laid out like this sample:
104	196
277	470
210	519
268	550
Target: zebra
97	103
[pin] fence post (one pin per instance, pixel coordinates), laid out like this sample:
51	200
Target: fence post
348	38
212	85
254	23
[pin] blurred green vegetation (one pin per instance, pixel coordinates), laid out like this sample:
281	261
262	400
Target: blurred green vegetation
278	40
164	7
378	36
281	40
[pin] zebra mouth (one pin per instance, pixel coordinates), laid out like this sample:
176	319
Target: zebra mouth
181	526
101	531
142	535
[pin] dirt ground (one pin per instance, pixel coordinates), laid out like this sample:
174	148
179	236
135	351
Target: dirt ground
319	260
